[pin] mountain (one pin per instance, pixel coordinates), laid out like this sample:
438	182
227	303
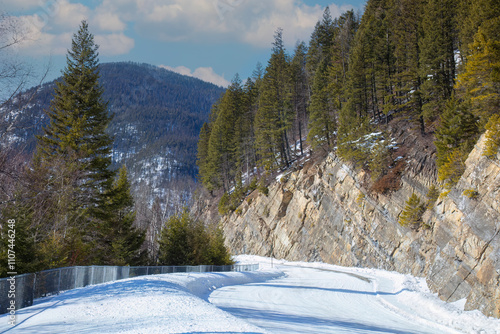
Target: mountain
158	115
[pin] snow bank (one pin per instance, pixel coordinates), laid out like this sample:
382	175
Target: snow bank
405	295
171	303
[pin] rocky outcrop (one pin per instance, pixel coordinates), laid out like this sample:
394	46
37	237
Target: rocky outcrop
325	212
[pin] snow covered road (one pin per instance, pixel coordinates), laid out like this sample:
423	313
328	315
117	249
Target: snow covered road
320	298
291	298
314	300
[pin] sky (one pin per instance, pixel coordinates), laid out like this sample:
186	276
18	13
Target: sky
209	39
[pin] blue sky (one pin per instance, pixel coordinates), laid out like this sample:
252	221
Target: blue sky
209	39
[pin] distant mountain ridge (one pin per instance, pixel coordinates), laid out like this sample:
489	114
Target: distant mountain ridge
158	115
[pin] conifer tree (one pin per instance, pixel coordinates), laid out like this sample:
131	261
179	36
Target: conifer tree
174	241
79	118
73	158
300	92
248	155
479	83
202	157
492	137
438	67
407	22
223	146
219	254
412	213
321	43
123	239
455	138
274	116
185	241
322	119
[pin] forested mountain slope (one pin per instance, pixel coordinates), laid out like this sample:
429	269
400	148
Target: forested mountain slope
157	118
362	148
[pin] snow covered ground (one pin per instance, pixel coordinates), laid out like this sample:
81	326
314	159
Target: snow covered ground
288	298
321	298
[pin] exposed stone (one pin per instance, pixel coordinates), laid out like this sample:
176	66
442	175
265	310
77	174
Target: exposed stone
323	212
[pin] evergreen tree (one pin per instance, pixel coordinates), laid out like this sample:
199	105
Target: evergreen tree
472	15
27	259
224	142
406	19
72	208
321	43
123	239
185	241
202	155
219	254
412	213
438	45
322	124
174	241
274	116
248	155
455	138
492	137
479	83
78	121
300	92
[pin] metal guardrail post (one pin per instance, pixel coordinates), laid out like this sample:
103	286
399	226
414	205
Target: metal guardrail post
59	282
34	287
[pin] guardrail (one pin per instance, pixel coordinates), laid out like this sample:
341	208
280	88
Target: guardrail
28	287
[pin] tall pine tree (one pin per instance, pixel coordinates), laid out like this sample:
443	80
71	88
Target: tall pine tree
275	114
83	210
78	122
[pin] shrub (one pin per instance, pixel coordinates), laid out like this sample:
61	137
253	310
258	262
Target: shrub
185	241
224	204
452	168
412	213
360	198
390	181
471	193
264	190
492	137
432	197
379	160
253	184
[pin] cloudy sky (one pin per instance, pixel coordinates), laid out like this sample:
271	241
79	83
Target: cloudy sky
209	39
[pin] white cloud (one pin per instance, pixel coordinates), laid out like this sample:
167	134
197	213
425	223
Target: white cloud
194	21
252	22
114	44
67	15
51	28
107	21
203	73
165	12
13	5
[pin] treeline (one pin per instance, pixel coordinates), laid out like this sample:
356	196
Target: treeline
433	63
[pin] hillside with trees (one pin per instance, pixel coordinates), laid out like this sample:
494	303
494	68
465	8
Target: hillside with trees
156	116
428	67
69	196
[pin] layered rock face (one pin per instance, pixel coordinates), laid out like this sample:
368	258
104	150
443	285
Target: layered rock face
325	212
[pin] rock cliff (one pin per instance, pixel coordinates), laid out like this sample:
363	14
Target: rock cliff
326	212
